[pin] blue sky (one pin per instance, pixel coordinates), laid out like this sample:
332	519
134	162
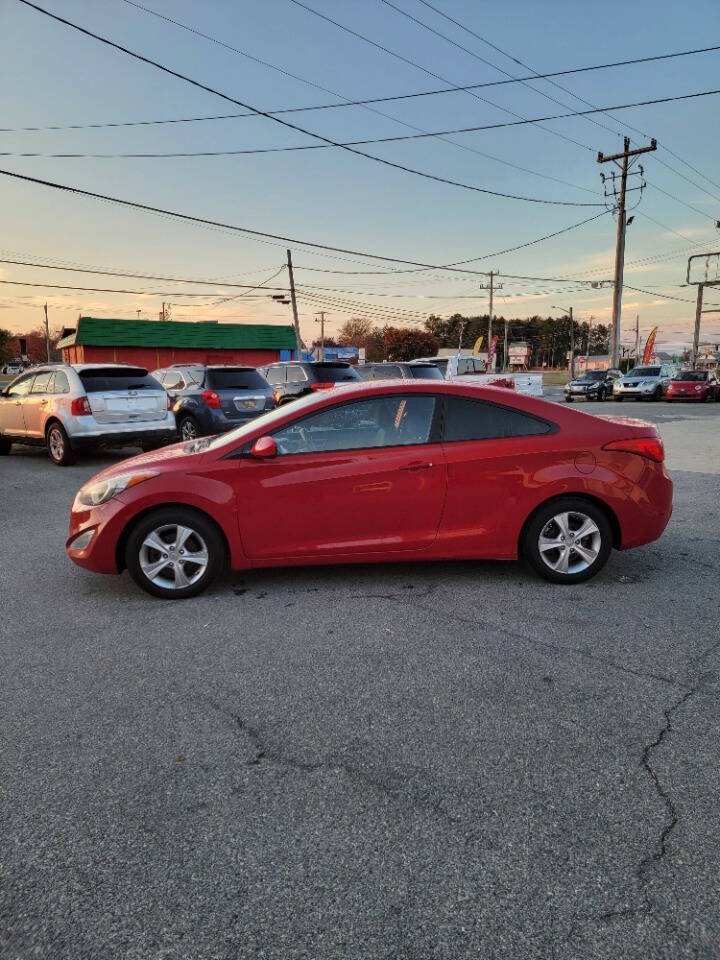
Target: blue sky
59	77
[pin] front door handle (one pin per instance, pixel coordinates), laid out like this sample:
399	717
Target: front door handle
415	467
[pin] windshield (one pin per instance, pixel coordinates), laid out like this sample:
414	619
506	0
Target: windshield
644	372
441	365
592	375
335	373
426	372
240	378
692	375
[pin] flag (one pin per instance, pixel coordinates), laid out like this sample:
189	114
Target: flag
649	346
478	344
491	353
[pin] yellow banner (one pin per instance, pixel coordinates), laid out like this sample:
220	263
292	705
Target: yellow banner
478	344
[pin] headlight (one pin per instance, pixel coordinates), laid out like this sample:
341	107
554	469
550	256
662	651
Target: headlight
698	387
96	493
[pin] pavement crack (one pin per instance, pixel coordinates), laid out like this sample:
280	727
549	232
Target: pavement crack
667	800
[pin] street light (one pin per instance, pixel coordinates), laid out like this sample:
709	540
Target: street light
568	311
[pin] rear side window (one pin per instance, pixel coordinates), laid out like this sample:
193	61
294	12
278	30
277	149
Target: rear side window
103	379
334	373
172	380
295	374
230	379
475	420
61	384
429	372
276	375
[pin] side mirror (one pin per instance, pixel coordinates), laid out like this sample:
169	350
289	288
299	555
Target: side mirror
263	448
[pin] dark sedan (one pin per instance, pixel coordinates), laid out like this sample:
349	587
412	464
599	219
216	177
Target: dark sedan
591	385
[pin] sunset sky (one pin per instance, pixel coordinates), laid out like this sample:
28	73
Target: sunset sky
56	77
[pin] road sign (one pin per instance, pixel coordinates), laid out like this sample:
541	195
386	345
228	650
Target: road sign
703	268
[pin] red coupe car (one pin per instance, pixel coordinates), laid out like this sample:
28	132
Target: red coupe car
378	472
694	385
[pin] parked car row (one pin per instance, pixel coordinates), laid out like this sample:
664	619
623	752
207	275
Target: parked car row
652	382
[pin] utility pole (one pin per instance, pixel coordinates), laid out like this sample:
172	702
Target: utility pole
321	314
698	317
47	336
492	288
505	348
569	312
296	322
637	339
625	156
462	330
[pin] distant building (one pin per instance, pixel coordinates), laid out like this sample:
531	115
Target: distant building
600	361
160	343
519	354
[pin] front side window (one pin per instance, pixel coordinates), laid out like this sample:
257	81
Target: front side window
361	424
21	387
467	419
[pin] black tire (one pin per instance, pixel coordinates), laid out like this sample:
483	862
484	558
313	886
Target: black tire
188	428
542	522
619	398
600	395
58	445
5	446
568	399
205	535
147	446
657	395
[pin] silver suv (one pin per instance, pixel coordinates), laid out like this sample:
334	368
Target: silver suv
75	407
644	383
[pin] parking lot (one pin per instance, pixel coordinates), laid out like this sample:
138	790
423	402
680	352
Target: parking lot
413	762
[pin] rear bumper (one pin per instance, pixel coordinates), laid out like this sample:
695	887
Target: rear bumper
123	438
644	521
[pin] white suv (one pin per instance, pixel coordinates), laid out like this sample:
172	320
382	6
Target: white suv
75	407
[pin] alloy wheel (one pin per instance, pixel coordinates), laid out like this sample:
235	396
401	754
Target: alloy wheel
570	542
173	556
188	430
56	443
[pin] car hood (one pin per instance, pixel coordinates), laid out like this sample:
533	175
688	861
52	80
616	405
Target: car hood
164	458
584	383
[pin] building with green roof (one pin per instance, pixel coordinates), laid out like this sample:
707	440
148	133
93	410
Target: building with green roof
160	343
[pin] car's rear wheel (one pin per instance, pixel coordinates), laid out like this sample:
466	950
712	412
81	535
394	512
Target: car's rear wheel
567	540
188	429
174	553
58	445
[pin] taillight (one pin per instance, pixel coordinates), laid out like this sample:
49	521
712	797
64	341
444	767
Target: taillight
321	385
80	407
277	397
211	399
650	447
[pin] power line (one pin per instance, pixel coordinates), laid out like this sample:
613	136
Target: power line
231	227
145	276
430	73
350	103
683	202
285	123
576	97
151	293
422	135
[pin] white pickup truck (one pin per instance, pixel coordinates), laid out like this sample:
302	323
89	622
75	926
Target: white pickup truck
460	366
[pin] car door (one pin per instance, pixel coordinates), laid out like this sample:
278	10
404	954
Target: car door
12	420
36	402
492	453
364	476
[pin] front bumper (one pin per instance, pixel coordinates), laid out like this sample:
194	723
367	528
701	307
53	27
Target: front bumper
637	392
106	522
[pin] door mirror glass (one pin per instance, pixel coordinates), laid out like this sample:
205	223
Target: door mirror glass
263	448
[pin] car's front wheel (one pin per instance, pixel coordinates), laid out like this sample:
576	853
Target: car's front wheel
58	445
174	553
567	540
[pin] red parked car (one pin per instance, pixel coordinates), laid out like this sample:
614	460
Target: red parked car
694	385
377	472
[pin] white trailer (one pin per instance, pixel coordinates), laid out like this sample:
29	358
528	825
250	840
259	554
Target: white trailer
473	368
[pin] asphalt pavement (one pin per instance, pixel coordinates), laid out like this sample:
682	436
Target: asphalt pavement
448	760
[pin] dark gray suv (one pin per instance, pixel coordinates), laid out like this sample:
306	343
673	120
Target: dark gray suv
294	379
214	399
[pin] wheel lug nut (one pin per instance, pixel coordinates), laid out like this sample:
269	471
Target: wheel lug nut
165	556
